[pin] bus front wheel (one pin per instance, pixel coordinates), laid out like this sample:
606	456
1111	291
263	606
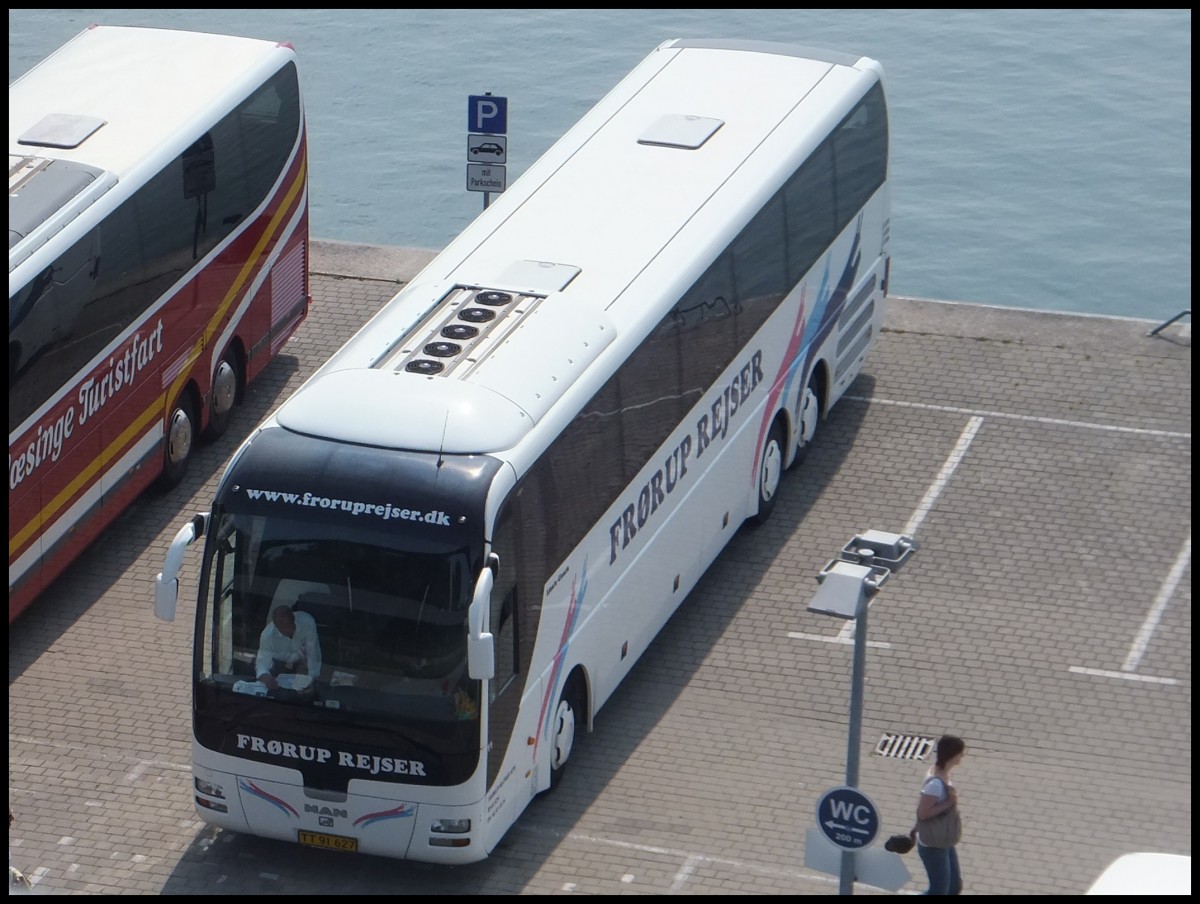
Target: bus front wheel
770	473
568	720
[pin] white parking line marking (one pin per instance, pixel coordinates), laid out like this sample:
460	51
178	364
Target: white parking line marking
139	770
949	466
1125	676
875	644
140	766
1085	425
685	872
1165	592
690	859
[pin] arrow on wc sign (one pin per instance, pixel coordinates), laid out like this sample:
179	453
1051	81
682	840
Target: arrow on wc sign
845	828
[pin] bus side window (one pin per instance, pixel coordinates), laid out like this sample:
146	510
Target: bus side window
199	168
199	179
760	268
505	615
50	335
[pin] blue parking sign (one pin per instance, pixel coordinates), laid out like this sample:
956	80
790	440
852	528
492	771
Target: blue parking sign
487	113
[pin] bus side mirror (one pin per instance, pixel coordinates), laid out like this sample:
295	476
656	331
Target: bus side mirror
166	585
481	652
166	596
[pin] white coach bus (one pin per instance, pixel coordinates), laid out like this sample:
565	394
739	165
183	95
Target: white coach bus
491	499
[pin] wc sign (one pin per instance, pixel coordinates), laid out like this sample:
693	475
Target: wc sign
487	114
848	818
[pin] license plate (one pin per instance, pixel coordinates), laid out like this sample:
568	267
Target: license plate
330	842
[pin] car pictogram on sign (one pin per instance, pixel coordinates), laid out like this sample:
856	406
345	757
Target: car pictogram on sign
487	147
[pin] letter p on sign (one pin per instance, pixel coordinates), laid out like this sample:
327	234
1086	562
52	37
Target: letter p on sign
487	114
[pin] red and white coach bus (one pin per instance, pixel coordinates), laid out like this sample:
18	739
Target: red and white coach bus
157	261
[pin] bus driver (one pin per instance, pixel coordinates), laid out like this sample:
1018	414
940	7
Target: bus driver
288	645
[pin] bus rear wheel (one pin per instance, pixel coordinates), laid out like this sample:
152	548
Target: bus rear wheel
808	420
568	720
179	442
225	386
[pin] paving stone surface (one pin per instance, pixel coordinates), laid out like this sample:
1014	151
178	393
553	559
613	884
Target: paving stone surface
1043	463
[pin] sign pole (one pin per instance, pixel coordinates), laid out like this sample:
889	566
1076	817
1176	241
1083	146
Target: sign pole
854	734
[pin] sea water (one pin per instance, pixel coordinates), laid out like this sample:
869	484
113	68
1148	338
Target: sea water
1040	158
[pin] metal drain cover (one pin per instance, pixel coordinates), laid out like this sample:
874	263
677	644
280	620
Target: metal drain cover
904	747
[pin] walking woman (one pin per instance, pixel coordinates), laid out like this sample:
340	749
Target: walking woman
939	826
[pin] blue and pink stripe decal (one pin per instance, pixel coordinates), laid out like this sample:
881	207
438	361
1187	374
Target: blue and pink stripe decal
400	812
248	787
574	607
828	305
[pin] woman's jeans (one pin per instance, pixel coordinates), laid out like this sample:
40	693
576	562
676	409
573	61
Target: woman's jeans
942	866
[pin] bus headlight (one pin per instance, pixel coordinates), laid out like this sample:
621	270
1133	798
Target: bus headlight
451	826
209	788
441	828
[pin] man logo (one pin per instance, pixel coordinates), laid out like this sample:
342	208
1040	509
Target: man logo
326	811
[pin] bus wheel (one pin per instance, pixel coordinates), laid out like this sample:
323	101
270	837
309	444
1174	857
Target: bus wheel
179	442
808	420
770	473
568	718
224	396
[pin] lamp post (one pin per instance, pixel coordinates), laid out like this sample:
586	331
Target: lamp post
847	584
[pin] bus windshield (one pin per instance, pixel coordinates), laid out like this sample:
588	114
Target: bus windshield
389	621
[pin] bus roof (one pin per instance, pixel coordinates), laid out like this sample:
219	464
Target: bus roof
147	85
111	100
597	240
